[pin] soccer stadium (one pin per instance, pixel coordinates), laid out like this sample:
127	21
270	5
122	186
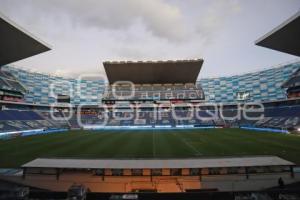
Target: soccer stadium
142	132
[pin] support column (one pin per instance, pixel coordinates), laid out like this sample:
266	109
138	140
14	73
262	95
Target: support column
247	173
57	173
24	173
292	172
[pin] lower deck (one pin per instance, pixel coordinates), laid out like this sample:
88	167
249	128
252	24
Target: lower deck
160	184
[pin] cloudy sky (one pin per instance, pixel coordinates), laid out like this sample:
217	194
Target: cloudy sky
83	34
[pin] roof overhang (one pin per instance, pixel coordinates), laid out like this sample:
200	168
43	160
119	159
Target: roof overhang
285	37
247	161
17	43
154	72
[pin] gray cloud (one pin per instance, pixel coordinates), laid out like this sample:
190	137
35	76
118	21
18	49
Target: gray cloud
161	19
83	33
214	18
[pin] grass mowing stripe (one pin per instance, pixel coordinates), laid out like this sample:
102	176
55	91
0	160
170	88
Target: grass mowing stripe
276	142
149	143
168	145
103	145
187	143
22	155
134	147
82	144
153	145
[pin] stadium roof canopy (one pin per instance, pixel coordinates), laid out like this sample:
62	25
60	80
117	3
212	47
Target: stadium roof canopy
16	43
285	37
153	72
249	161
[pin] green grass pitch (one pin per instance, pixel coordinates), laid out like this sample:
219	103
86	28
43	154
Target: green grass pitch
149	144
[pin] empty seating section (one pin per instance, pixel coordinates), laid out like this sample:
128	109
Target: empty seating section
273	117
154	92
126	118
14	120
9	82
5	74
15	85
277	117
284	117
19	115
286	111
24	121
56	119
3	84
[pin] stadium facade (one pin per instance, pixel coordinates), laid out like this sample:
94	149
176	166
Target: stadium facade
39	90
264	85
260	86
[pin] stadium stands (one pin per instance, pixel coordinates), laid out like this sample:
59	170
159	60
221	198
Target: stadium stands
154	92
56	118
263	86
23	123
39	87
283	115
277	117
293	85
10	88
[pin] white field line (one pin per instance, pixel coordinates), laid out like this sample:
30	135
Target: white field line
187	143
